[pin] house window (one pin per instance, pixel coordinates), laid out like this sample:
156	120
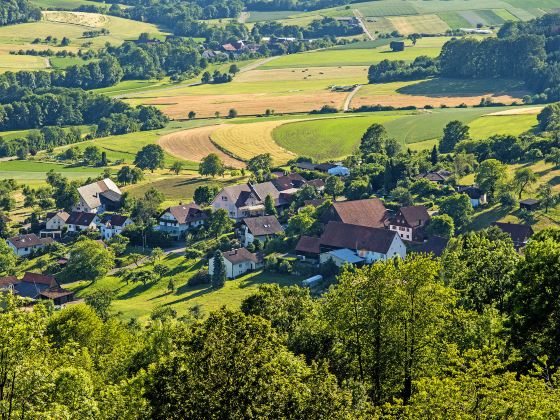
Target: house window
224	198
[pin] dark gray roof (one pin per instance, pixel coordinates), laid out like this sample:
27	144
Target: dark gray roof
263	225
80	218
30	240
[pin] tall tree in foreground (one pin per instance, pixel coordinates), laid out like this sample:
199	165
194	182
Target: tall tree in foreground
219	271
216	373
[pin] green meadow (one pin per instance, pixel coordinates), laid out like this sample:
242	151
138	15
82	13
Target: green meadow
338	137
502	124
430	47
64	4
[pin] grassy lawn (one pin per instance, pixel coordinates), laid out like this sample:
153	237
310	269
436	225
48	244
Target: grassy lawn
137	300
357	57
177	188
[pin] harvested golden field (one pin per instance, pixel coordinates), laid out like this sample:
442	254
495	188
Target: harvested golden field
249	140
194	145
519	111
436	92
245	104
92	20
426	24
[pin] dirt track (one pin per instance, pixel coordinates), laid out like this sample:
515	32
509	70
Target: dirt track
194	145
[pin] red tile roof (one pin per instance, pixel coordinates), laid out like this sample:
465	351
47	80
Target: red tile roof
309	244
370	212
30	240
39	279
343	235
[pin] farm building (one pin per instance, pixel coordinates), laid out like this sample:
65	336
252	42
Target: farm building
530	204
519	233
98	197
369	212
409	222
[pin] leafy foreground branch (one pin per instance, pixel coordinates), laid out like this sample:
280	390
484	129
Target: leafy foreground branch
469	336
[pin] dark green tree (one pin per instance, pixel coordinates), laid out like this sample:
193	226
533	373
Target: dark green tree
453	133
150	157
218	271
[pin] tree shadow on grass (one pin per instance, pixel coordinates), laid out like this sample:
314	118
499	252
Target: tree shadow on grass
140	288
554	181
441	87
486	217
267	278
201	292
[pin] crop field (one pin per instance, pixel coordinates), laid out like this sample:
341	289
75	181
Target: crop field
124	147
421	24
62	26
435	92
194	145
22	62
379	24
332	57
506	124
327	138
248	140
336	138
270	15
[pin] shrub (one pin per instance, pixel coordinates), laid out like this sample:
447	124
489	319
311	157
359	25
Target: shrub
200	277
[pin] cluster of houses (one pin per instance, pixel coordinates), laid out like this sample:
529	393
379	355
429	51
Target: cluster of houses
354	232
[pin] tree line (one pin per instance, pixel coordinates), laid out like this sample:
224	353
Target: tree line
18	11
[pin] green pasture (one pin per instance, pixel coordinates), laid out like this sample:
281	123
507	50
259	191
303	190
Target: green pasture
338	137
365	45
490	125
357	57
459	87
120	30
135	300
270	15
65	62
454	20
35	172
64	4
328	138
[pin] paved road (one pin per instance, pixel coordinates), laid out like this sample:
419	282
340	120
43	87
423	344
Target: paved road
360	18
257	64
350	96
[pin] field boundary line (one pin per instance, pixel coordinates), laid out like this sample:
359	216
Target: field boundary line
360	18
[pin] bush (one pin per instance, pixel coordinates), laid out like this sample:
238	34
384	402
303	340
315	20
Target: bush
200	277
191	253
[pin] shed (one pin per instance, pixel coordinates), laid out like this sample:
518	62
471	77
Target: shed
530	204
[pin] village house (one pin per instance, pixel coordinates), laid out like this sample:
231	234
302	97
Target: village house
80	221
24	245
438	177
247	200
289	181
113	224
409	222
37	287
476	195
177	220
238	262
360	244
434	245
54	225
98	197
261	228
370	212
519	233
